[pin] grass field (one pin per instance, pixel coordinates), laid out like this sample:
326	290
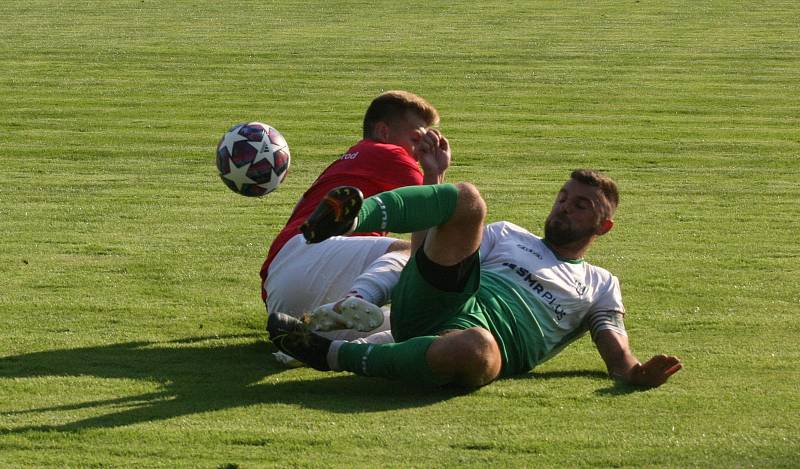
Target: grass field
131	328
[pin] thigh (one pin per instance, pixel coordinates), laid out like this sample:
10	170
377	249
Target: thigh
421	308
455	240
303	276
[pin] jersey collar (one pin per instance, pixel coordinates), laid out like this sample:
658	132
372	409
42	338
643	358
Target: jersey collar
562	259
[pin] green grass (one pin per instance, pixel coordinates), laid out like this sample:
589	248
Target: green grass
130	321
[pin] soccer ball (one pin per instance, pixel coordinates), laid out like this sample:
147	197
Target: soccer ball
252	159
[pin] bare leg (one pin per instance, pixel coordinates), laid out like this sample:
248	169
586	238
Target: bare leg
468	357
461	235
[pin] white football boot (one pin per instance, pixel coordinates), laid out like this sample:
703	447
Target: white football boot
350	313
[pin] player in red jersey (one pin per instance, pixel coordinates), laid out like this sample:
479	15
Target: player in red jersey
399	148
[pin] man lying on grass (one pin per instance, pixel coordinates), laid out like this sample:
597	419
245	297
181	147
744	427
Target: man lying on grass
480	302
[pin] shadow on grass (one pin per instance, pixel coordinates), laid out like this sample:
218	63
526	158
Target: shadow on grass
614	389
202	374
619	389
561	374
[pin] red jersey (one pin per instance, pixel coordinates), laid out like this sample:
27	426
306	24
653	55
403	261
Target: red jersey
371	166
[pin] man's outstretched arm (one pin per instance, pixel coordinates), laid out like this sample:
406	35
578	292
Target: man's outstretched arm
624	366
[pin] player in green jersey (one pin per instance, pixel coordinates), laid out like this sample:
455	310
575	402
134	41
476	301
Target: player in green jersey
479	302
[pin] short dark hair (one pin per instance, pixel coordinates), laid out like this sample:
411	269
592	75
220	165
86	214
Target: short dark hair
393	105
597	179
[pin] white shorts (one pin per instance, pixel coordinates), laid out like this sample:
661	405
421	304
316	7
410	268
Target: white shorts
303	276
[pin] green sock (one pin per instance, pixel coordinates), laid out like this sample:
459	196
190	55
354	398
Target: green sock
403	360
408	209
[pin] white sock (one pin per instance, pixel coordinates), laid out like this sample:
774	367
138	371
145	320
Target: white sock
333	354
376	283
383	337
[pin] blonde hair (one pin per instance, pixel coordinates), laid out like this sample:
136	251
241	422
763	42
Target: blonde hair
396	104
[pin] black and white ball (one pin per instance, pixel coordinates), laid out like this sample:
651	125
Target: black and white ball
252	159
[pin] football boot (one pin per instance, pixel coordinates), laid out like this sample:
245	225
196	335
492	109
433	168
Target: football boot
336	214
293	338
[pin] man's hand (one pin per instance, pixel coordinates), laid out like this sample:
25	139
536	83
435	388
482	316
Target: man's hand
433	154
654	372
624	366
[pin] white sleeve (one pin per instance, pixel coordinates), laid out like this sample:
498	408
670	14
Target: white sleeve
491	234
606	321
607	312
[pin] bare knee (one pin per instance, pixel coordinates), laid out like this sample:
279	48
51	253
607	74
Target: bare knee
470	206
470	357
